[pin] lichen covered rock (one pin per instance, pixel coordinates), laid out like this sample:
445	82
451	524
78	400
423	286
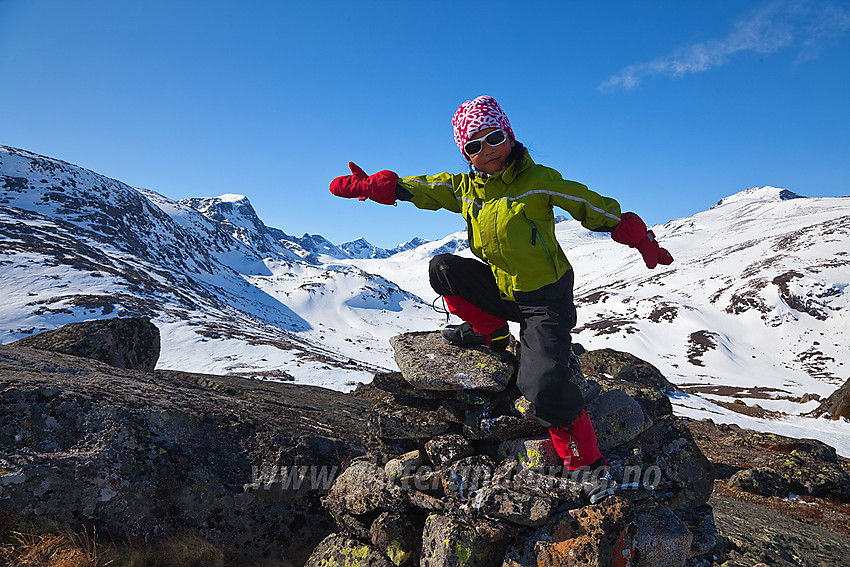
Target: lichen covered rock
661	538
617	419
429	363
450	542
337	551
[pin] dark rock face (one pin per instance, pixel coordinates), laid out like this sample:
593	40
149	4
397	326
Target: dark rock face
479	482
756	536
837	404
124	342
144	455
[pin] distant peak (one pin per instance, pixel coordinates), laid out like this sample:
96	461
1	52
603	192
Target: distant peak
232	198
766	193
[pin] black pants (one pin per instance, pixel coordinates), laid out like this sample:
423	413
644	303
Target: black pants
546	317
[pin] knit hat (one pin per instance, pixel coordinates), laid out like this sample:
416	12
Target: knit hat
475	115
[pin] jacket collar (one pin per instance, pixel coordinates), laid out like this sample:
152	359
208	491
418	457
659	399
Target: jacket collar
517	167
510	173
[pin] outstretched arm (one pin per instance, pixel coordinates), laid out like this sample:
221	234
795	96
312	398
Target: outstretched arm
600	213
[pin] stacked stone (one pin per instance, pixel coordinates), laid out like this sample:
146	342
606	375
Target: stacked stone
460	473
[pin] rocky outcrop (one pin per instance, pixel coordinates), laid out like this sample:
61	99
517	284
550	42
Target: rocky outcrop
123	342
146	455
450	477
769	464
753	535
458	471
837	405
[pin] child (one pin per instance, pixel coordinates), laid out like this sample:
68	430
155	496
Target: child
507	202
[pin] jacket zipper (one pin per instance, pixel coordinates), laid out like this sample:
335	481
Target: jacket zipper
534	232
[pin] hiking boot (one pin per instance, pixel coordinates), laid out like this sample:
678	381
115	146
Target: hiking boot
463	335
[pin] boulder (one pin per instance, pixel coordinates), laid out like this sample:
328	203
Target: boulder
666	457
592	536
429	363
446	449
803	474
393	421
501	428
339	550
700	522
397	537
786	464
451	542
404	465
122	342
624	366
760	480
520	507
363	488
617	419
565	491
462	478
661	538
535	453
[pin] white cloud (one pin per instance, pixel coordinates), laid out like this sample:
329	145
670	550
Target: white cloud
805	24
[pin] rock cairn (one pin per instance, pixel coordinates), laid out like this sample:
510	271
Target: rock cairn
459	473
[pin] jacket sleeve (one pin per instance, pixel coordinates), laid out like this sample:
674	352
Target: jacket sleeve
594	211
432	191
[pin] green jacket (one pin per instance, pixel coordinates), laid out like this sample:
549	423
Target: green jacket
509	218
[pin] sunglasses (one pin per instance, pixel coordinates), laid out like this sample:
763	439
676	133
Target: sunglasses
494	138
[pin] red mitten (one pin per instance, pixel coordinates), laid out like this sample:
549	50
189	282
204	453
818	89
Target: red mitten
632	231
379	187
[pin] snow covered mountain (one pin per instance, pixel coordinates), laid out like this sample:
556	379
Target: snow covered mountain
755	308
229	294
235	216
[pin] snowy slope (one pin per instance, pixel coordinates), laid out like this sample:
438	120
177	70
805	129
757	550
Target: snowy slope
758	294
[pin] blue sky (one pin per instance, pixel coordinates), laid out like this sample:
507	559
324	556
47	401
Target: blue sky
666	106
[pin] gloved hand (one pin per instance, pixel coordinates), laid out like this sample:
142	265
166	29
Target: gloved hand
379	187
632	232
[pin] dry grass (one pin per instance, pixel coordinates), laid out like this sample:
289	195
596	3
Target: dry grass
28	546
37	542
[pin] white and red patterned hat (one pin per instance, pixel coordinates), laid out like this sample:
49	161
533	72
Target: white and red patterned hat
475	115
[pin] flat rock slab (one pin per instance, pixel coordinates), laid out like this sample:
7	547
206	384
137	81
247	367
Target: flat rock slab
429	363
